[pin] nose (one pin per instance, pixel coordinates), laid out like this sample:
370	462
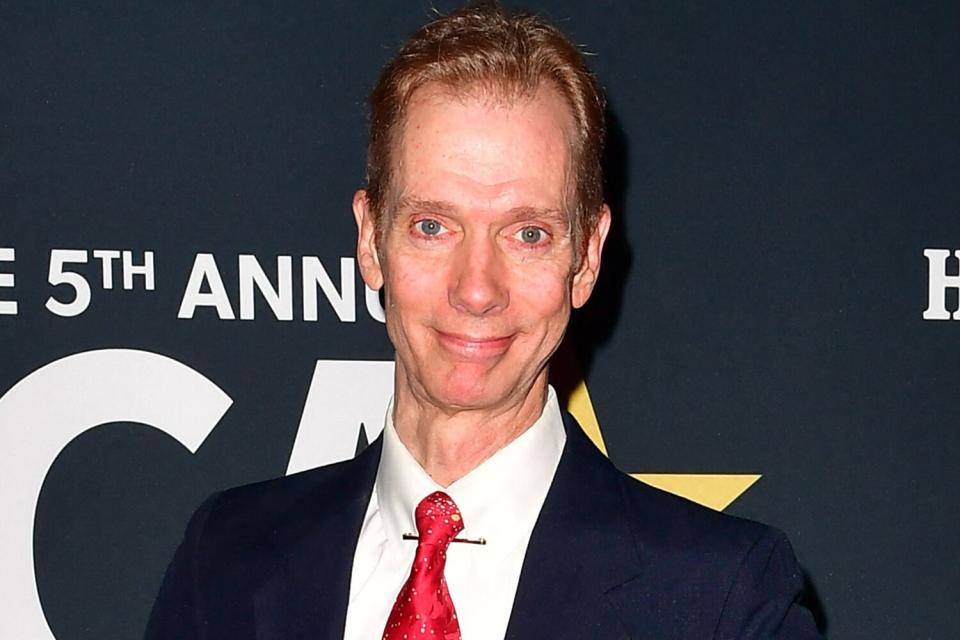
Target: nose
479	280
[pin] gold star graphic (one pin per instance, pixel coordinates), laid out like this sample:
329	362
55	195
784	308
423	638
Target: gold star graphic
716	491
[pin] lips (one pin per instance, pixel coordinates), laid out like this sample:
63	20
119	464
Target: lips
475	347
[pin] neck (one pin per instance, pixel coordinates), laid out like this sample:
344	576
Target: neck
449	445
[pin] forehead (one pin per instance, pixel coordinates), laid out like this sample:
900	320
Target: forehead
477	149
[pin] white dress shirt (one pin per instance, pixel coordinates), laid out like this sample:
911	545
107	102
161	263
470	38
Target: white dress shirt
500	501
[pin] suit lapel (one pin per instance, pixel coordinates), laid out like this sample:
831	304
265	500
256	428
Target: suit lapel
581	548
307	596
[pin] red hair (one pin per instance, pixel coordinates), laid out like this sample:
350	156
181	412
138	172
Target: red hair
483	47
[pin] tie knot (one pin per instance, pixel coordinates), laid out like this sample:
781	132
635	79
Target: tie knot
438	519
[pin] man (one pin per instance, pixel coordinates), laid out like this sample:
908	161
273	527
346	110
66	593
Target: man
482	512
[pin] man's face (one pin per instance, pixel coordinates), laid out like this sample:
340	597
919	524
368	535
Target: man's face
476	255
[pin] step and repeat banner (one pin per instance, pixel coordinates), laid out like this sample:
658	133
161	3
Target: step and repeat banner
775	333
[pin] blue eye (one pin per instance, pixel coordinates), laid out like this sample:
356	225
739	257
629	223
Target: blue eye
531	235
429	227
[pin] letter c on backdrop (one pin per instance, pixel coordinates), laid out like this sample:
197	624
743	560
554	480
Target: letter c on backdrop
42	413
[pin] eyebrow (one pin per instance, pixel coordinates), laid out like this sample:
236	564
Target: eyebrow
408	203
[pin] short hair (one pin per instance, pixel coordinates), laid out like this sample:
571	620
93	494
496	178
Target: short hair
511	55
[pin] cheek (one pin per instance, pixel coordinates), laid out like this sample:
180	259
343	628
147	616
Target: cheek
546	299
425	285
412	290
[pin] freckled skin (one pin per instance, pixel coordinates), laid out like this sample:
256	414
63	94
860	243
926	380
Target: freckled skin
477	259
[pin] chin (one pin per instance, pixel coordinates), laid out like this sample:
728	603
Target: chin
467	392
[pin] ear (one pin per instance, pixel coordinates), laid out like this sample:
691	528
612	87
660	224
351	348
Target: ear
367	256
586	276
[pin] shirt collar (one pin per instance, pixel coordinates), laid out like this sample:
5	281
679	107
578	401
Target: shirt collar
488	496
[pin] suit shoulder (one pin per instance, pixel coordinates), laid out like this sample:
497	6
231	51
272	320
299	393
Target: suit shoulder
673	523
271	512
704	574
276	495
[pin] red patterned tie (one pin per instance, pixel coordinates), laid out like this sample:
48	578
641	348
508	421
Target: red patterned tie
424	608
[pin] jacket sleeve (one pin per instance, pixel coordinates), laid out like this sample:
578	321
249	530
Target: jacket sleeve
178	610
764	600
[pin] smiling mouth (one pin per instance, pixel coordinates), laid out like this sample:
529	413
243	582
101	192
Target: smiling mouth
475	347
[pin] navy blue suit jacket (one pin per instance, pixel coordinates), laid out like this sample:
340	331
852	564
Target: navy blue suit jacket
609	558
